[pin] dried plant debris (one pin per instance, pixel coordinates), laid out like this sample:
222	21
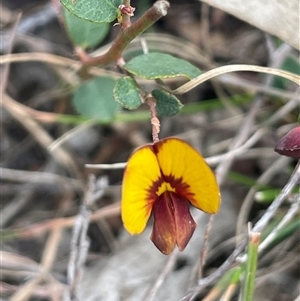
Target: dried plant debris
63	153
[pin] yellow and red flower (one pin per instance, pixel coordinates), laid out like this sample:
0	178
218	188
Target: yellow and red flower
163	178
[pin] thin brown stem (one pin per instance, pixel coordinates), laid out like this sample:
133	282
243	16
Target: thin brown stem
158	10
205	246
154	120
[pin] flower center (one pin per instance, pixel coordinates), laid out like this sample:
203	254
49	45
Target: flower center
164	187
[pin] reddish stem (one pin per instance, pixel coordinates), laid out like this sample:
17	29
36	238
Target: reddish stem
158	10
154	120
127	12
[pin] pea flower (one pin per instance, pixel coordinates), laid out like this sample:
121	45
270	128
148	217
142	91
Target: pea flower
162	179
289	145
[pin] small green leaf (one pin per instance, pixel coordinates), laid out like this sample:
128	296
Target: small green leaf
127	93
95	100
166	103
82	32
157	65
96	11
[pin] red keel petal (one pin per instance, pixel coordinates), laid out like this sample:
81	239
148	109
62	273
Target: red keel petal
184	222
173	223
289	145
164	231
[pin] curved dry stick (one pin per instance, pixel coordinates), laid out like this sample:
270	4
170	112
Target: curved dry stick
233	68
40	56
54	60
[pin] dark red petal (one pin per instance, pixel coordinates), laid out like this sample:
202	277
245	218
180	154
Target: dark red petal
164	231
184	222
289	145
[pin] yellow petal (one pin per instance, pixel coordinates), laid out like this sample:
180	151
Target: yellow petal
188	173
142	178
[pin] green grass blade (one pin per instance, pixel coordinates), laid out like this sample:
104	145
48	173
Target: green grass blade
251	264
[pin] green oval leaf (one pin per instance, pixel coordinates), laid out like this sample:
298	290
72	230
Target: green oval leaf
157	65
127	93
82	32
96	11
166	103
95	100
